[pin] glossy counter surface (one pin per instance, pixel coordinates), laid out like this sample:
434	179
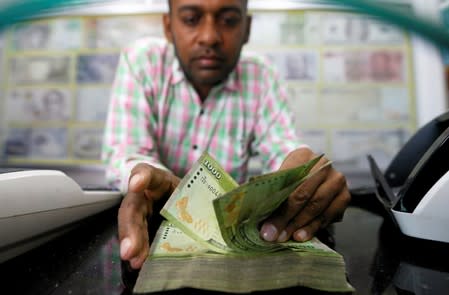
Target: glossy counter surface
379	260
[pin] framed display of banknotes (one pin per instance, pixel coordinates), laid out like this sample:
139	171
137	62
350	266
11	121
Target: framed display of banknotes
56	74
350	80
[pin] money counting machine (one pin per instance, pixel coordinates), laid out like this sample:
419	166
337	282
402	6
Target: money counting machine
419	207
38	205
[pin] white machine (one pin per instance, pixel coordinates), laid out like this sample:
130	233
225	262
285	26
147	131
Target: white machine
420	207
38	205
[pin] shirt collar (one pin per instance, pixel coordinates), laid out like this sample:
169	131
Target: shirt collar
232	83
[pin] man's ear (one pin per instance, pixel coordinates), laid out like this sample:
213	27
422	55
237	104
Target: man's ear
166	20
248	28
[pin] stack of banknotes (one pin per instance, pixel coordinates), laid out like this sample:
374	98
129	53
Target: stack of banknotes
210	239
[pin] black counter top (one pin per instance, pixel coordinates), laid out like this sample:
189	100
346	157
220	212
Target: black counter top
379	260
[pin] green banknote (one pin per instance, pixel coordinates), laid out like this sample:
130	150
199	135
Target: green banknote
240	211
211	239
190	206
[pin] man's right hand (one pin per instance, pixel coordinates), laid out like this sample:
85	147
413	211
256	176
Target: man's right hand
147	185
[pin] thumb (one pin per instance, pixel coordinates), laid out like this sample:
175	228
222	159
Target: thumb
126	246
136	183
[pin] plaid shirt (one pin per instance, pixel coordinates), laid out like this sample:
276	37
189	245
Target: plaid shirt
155	116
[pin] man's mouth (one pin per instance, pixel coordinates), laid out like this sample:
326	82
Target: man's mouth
208	61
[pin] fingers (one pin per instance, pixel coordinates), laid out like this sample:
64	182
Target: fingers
297	157
319	201
273	228
133	228
333	213
155	182
147	185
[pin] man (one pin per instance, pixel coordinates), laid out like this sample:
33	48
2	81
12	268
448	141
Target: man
171	101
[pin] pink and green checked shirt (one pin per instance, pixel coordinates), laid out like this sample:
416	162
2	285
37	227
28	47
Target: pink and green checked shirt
155	116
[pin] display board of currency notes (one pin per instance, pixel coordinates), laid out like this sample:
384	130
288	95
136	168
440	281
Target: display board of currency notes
349	78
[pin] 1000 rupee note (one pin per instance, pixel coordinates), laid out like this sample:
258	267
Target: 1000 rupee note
190	206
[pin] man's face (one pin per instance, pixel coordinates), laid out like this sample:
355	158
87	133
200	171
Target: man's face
208	36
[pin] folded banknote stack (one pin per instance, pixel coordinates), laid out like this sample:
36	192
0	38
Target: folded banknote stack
210	239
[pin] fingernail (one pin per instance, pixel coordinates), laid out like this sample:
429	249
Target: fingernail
301	235
135	181
282	237
125	246
135	263
269	232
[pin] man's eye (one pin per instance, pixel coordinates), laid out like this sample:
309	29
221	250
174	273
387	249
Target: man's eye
230	21
190	20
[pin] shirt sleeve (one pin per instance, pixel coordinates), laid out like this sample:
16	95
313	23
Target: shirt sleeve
129	136
275	131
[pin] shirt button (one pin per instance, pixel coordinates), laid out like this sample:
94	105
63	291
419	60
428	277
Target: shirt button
195	147
201	112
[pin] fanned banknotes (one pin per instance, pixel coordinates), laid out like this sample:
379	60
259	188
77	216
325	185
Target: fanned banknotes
210	239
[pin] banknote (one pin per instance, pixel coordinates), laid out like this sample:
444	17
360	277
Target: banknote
295	65
32	70
32	36
350	28
114	31
279	28
96	68
369	66
49	34
339	28
190	206
267	28
17	142
87	143
36	143
38	104
240	211
172	241
49	143
384	33
387	66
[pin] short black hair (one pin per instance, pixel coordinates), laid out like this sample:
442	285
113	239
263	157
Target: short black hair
245	3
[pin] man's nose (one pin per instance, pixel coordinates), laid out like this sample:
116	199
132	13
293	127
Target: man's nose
209	33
